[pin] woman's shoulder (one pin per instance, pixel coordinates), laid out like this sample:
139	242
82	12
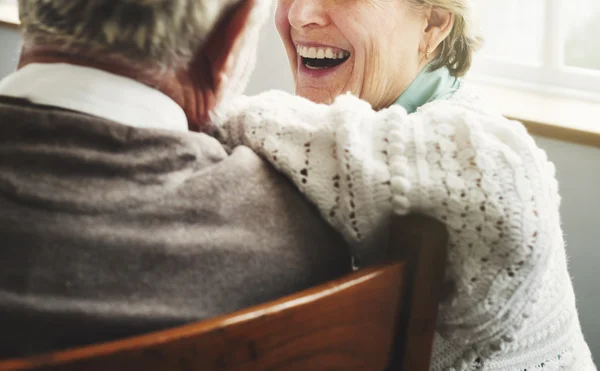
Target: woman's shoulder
468	107
465	100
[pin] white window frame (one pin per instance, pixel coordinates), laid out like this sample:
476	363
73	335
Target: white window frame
9	13
552	76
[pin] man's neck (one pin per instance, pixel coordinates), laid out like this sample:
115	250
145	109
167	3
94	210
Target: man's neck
177	85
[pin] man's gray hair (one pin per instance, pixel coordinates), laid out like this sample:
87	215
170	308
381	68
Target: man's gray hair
162	32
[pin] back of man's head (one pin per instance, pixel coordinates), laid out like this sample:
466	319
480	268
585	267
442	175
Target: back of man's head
163	32
198	52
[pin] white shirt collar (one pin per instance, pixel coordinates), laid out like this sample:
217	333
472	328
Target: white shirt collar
95	92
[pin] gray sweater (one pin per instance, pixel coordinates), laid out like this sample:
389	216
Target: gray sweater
108	231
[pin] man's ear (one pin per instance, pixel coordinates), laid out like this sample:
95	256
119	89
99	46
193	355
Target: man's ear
218	53
439	25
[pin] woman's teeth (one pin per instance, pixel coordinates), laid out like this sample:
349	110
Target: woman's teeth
321	58
321	53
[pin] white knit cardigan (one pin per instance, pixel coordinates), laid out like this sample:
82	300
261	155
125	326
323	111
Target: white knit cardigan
457	160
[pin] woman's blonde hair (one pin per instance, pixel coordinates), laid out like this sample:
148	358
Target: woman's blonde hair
456	51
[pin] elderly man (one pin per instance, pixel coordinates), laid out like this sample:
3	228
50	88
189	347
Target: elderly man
115	218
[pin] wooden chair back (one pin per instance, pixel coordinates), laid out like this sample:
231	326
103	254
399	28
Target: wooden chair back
378	318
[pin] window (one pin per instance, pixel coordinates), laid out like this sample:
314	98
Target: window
582	47
8	12
551	46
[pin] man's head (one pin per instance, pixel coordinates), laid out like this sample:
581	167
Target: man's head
189	49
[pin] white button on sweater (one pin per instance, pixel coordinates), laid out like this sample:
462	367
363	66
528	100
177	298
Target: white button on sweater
513	306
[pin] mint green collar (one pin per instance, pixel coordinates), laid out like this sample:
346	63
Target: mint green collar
427	87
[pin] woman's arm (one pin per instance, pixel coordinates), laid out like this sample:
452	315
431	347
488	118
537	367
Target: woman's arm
481	175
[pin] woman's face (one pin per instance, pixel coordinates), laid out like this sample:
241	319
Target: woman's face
371	48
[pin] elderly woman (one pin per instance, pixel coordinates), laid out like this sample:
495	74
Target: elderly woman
413	137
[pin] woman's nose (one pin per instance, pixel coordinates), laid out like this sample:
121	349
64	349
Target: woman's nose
308	14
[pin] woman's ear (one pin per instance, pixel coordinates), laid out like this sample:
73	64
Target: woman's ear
438	27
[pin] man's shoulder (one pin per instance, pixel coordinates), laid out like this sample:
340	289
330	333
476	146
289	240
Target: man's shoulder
246	172
151	163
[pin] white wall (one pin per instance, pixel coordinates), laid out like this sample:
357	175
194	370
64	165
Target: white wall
10	44
578	174
272	70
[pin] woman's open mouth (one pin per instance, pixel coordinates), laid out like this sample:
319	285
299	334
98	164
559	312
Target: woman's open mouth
321	58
